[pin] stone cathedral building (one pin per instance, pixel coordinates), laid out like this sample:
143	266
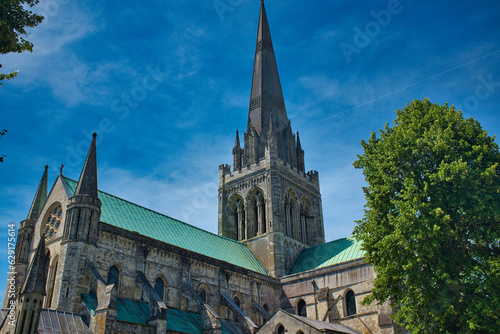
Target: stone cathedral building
89	262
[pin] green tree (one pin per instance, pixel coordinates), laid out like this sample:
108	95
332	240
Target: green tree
431	226
15	17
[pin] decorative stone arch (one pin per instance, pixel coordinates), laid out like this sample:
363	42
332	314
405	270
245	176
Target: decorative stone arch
52	221
280	329
238	300
349	303
203	291
301	307
51	279
160	287
236	215
290	211
256	212
306	216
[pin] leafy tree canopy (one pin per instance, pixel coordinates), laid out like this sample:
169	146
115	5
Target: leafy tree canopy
15	17
431	227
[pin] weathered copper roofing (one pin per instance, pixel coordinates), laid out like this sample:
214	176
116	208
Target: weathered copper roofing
87	184
138	312
329	254
132	217
40	197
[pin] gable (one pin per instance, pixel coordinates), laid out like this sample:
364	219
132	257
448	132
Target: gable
132	217
293	323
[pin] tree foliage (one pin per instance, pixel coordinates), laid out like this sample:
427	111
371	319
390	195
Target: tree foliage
15	18
431	227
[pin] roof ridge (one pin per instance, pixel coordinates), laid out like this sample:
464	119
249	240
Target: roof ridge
332	241
164	215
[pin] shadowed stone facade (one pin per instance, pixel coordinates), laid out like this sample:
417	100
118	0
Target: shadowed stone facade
89	262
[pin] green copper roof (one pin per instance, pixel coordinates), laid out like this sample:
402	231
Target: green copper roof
329	254
138	312
132	217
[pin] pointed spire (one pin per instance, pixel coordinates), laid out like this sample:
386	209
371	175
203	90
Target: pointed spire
266	92
299	146
237	142
40	197
87	184
35	280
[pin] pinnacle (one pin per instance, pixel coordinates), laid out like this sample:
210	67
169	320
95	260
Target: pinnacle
40	196
87	184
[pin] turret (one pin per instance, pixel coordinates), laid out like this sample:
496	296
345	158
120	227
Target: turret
84	208
78	246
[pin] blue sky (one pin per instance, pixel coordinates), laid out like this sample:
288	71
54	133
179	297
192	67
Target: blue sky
167	83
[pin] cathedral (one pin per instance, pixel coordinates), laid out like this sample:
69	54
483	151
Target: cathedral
89	262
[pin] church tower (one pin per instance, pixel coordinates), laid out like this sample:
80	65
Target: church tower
268	200
78	245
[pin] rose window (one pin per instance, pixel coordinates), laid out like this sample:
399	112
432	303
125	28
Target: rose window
53	221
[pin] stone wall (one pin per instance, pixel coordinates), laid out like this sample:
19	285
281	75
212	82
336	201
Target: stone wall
324	292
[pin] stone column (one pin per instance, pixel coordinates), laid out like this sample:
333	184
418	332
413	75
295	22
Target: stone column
287	217
241	233
260	218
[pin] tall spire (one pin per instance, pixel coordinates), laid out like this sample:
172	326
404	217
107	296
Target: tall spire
40	197
266	92
35	281
87	184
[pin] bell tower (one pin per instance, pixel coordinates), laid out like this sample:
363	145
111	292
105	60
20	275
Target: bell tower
268	200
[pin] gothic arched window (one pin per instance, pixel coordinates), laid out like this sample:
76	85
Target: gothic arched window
237	218
350	302
280	329
203	294
113	276
266	307
290	213
257	204
305	217
160	288
51	280
236	300
301	308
